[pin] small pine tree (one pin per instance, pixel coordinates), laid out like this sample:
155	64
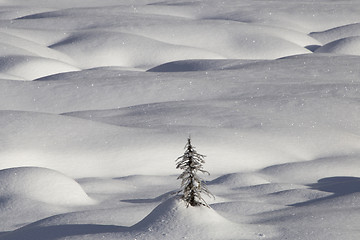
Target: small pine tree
192	186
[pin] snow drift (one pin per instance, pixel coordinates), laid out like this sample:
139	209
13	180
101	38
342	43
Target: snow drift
171	219
30	68
346	46
105	48
42	185
333	34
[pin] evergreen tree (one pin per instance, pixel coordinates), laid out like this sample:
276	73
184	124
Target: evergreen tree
192	186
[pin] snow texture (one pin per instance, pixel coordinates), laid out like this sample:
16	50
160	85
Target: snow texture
98	97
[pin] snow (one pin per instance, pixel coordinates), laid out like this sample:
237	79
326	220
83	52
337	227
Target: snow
29	68
346	46
39	191
97	99
41	184
123	49
330	35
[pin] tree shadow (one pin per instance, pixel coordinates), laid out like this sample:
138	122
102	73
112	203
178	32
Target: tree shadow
339	186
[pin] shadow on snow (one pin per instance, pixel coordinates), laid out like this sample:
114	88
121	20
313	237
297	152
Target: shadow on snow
59	231
339	186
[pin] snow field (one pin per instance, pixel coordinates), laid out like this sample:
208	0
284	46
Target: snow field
97	99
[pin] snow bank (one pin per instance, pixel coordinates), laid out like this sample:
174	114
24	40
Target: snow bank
38	40
171	219
232	40
28	60
17	39
330	35
30	68
41	184
349	45
310	171
238	180
299	16
9	12
106	48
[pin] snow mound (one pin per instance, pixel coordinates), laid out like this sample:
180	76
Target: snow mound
37	39
10	12
172	218
43	185
347	46
310	171
232	40
106	48
239	180
32	67
294	196
169	220
20	39
333	34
